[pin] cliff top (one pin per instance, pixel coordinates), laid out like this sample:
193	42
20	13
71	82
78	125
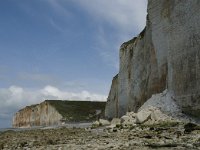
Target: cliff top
77	110
133	40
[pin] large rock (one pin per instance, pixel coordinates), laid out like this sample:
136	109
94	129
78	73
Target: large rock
116	121
129	118
104	122
165	55
143	115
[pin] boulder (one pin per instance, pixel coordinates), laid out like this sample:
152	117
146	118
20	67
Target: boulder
116	121
95	124
157	115
103	122
143	115
129	118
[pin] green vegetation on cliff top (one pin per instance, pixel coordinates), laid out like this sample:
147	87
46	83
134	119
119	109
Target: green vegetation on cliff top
78	110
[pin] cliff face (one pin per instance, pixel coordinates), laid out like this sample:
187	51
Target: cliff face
56	112
166	55
42	114
112	108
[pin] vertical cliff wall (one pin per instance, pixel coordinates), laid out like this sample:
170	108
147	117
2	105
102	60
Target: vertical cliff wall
42	114
164	55
112	106
176	31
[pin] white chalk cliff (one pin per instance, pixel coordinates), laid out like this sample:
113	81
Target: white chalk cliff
57	112
165	55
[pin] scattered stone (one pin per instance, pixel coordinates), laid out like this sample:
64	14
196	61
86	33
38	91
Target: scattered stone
129	119
114	129
95	124
116	121
60	148
142	136
159	145
103	122
189	127
1	145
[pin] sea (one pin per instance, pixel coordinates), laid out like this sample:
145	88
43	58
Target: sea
67	125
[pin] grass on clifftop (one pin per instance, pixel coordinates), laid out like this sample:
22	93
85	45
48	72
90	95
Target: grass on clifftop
78	110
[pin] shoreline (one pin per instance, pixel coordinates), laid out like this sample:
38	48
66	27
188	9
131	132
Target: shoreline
67	125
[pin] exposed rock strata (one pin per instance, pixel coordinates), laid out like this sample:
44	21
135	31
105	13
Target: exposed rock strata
111	109
54	112
165	55
37	115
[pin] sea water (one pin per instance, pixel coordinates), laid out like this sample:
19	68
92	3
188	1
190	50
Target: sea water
67	125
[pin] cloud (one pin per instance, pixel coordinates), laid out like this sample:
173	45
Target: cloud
124	14
116	21
83	95
15	98
125	18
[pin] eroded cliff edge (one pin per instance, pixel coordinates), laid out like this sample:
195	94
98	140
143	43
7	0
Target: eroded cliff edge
57	112
165	55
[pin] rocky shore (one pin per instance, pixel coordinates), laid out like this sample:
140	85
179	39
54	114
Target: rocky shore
117	136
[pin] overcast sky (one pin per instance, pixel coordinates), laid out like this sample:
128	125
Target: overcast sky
62	49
